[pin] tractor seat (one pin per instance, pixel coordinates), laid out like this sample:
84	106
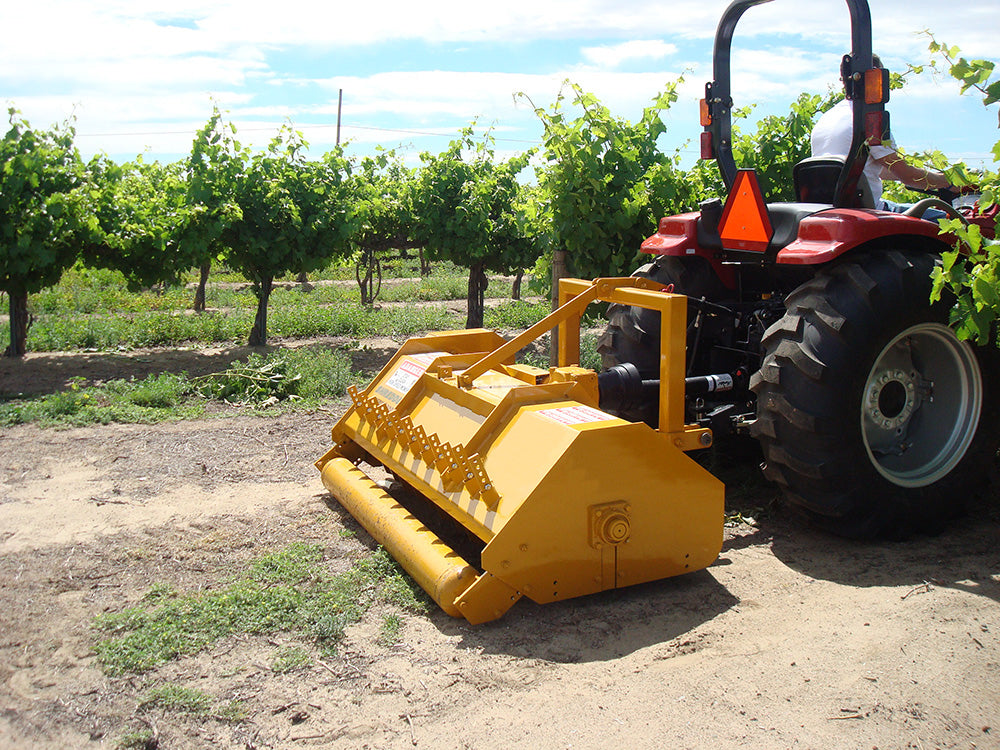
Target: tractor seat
815	181
785	219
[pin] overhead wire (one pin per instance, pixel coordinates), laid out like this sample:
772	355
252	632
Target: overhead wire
304	126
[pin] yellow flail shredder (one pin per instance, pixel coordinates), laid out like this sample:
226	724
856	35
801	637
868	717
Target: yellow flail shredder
555	497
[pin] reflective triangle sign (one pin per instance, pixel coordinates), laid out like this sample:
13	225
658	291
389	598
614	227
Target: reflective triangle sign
745	224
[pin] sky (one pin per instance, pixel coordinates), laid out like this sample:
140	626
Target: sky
141	76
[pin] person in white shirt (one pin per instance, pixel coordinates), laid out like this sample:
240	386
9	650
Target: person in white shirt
832	135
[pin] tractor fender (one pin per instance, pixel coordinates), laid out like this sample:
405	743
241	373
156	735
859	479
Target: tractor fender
826	235
822	237
678	235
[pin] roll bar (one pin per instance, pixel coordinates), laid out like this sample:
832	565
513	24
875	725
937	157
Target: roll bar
718	97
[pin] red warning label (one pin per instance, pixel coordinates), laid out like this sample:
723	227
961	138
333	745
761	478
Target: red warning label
409	371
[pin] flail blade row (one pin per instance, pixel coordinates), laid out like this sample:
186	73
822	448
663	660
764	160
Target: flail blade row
455	466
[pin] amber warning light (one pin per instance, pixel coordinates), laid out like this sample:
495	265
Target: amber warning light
745	224
876	86
705	116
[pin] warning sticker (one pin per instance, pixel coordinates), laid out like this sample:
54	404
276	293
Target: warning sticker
576	415
406	375
426	358
409	371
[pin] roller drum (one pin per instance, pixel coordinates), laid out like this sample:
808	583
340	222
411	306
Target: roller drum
439	570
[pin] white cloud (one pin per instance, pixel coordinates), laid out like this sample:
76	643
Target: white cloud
64	30
146	66
612	56
781	73
305	22
423	96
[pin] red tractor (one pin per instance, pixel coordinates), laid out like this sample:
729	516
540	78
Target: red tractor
810	328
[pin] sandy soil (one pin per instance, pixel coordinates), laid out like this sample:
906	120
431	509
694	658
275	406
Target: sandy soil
791	639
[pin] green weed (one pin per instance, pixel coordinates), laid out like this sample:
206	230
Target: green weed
259	381
588	351
159	592
138	740
162	391
234	711
426	289
325	373
358	321
395	587
539	356
178	698
392	624
311	375
146	329
515	314
296	563
96	290
289	659
95	309
286	591
536	357
154	399
152	329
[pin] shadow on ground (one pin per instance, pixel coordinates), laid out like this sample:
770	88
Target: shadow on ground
602	626
964	556
612	624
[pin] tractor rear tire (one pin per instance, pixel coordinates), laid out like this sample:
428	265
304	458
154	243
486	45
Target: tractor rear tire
873	417
633	333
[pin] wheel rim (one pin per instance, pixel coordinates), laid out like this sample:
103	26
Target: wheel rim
920	406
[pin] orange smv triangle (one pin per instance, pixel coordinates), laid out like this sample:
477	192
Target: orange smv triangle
745	224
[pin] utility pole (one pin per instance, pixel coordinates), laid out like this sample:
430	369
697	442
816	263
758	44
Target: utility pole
340	105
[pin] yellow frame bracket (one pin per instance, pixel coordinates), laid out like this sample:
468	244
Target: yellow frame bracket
572	307
574	297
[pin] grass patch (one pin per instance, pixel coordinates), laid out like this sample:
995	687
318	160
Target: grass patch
290	658
392	624
95	309
139	740
152	329
234	711
539	357
157	398
311	375
178	698
515	314
260	381
287	591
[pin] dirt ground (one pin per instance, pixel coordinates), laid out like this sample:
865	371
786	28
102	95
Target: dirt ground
792	639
